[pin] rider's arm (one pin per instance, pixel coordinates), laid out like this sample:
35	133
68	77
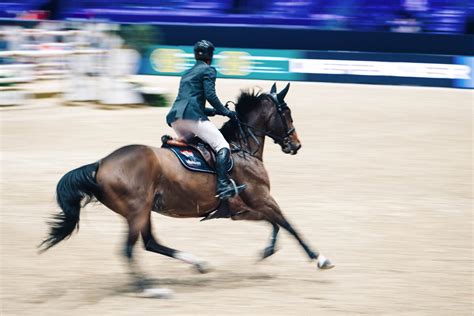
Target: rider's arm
209	81
210	111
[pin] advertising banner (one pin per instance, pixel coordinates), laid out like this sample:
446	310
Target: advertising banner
229	62
468	81
378	68
320	66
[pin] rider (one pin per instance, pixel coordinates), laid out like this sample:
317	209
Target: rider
189	116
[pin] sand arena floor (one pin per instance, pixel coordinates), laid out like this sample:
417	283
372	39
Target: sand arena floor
382	186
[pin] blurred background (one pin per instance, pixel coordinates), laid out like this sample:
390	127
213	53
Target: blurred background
445	16
92	44
381	96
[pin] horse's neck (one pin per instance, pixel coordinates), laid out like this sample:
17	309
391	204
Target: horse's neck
257	148
254	147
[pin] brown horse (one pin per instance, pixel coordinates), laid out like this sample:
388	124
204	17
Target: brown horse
135	180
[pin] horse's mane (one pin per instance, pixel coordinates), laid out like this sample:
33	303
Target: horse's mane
247	101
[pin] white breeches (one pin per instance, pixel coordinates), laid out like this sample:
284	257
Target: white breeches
205	130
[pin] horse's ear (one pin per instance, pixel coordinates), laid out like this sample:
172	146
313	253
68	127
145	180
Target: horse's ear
274	88
282	94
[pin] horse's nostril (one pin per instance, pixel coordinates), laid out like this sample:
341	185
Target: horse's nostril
295	148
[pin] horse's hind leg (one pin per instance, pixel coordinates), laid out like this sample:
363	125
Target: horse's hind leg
135	221
152	245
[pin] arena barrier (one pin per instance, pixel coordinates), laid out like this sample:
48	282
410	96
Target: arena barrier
320	66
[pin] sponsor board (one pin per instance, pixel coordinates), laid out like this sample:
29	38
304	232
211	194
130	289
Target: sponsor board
377	68
323	66
229	62
467	62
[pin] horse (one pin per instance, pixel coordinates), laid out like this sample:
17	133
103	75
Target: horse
135	180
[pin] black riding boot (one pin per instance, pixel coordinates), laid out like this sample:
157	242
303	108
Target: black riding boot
226	188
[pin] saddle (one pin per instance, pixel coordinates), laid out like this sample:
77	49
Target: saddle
194	155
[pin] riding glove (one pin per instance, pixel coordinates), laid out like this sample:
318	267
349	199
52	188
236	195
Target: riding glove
232	115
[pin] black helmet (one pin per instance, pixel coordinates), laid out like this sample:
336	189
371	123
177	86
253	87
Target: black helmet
203	50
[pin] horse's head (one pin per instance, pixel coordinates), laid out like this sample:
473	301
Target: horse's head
280	123
264	115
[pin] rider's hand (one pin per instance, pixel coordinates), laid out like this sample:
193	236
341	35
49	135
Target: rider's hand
233	115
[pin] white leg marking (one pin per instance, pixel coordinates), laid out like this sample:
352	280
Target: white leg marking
321	260
156	293
187	257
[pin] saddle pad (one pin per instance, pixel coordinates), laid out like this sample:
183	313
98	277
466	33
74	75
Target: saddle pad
191	159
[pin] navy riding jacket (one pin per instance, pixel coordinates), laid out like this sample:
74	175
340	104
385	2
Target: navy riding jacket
196	86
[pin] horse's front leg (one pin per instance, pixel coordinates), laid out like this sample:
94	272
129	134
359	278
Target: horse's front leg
254	216
272	211
271	248
244	212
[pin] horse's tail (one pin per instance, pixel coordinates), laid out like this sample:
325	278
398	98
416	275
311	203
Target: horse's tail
74	187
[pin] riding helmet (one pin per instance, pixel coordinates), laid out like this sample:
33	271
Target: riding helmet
203	50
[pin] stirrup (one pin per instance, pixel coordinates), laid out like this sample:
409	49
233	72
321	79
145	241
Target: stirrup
231	192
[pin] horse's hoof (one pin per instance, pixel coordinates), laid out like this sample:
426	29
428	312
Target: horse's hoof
269	251
203	267
156	293
325	263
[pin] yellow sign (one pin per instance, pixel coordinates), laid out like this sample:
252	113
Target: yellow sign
233	63
168	60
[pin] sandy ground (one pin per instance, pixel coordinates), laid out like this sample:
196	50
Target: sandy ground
382	186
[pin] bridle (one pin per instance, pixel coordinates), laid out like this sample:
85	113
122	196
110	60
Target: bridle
251	131
282	108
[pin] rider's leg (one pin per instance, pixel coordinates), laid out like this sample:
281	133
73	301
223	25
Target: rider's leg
209	133
184	129
226	188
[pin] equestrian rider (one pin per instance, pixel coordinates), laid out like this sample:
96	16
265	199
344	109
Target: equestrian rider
189	116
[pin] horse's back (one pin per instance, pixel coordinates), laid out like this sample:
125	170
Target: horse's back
132	157
127	167
129	150
140	174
